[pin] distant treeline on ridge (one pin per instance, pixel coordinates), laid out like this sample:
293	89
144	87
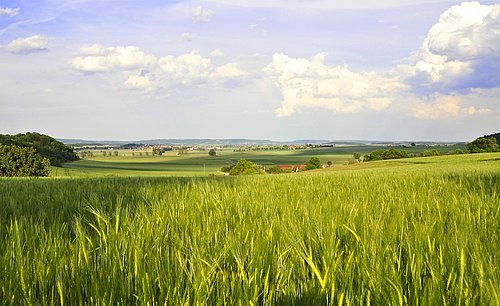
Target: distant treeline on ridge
55	151
496	136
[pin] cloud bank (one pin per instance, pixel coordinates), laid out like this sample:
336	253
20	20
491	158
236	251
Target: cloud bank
460	53
310	83
147	72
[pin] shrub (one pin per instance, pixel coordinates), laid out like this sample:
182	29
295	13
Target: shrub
386	154
457	151
432	152
22	161
245	167
313	163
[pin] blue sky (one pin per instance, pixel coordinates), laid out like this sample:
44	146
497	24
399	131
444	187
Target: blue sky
283	70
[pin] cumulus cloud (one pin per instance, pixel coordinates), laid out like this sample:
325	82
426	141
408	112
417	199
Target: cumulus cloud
443	107
97	58
310	83
460	55
8	11
200	14
35	43
186	68
147	72
141	82
461	51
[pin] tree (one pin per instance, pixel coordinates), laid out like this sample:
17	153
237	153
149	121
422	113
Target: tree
329	163
46	146
482	145
158	151
313	163
21	161
245	167
386	154
212	152
357	156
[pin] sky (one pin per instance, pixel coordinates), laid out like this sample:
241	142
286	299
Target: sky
281	70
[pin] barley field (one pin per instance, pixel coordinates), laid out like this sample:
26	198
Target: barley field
422	231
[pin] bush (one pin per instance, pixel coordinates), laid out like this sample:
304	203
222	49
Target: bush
432	152
244	167
212	152
457	151
313	163
20	161
386	154
483	145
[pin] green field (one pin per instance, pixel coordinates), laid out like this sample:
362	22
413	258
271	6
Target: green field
420	231
198	163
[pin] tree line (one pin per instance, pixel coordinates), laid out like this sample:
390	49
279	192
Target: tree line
32	154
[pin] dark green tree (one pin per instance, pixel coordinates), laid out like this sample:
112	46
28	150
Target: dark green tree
329	163
46	146
212	152
386	154
245	167
483	145
313	163
22	161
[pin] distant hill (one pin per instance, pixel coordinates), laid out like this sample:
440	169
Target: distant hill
497	137
201	141
46	146
238	142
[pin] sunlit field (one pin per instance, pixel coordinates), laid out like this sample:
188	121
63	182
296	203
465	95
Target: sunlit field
199	163
421	231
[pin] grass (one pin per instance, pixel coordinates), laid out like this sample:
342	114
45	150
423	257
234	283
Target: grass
198	163
422	231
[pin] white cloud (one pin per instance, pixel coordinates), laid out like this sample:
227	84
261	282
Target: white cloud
444	107
199	14
217	53
140	82
310	83
187	69
460	55
97	58
35	43
461	51
11	12
230	70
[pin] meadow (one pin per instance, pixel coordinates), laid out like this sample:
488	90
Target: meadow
420	231
199	163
